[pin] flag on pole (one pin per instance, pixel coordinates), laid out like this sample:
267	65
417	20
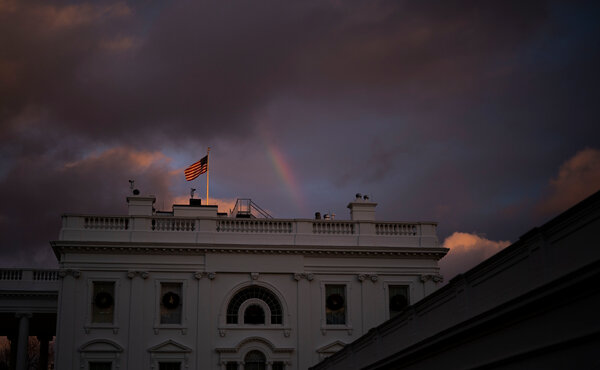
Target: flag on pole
196	169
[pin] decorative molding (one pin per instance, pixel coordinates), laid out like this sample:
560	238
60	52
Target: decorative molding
22	294
286	332
255	340
254	275
200	274
27	315
363	277
66	272
436	278
222	333
304	275
134	248
143	274
88	328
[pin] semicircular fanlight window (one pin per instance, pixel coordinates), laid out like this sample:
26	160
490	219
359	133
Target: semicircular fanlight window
256	292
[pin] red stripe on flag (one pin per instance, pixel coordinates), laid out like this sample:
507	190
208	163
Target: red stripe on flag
196	169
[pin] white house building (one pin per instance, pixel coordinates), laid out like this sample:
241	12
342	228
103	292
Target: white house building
196	289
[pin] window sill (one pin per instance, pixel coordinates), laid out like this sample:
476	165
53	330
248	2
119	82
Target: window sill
158	328
346	327
88	328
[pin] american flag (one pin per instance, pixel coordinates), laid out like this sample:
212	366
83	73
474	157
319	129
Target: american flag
196	169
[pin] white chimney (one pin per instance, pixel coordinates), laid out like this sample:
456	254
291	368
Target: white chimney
141	206
362	209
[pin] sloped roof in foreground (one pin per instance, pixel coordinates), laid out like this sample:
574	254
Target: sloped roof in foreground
529	301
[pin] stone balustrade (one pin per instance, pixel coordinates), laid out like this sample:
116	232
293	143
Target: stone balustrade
8	274
333	227
254	226
394	228
106	223
173	224
252	231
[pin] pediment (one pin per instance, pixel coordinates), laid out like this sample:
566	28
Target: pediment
101	345
169	346
332	347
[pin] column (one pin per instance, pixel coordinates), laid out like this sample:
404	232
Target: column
43	362
23	340
305	325
136	325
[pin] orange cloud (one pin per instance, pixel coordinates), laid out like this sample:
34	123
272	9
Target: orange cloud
74	15
8	6
577	178
118	44
140	160
466	251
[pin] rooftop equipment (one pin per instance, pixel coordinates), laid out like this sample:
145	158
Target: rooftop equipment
246	208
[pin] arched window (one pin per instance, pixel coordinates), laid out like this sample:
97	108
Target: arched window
255	360
254	314
254	292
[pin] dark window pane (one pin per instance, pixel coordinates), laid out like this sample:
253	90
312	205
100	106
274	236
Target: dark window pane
231	366
170	303
277	365
398	299
255	360
100	366
103	302
254	314
335	304
169	366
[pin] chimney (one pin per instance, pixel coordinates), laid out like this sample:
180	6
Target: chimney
362	209
140	206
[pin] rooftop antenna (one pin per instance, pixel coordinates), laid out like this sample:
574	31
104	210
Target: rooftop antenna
192	190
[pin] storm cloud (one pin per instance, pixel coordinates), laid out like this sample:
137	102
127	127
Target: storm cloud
481	116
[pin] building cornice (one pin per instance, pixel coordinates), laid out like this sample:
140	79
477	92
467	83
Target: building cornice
200	249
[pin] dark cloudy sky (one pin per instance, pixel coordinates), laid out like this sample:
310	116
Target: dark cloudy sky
483	116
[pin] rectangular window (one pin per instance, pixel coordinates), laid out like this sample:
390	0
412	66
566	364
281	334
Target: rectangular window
171	302
169	366
103	302
335	304
397	298
278	365
231	366
100	365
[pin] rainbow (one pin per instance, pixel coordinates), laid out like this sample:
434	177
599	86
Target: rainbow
284	171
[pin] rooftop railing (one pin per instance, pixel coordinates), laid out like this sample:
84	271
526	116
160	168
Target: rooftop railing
17	276
141	228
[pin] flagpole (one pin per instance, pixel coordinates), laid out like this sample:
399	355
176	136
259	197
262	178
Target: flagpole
207	172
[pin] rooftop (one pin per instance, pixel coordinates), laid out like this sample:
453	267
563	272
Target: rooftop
195	225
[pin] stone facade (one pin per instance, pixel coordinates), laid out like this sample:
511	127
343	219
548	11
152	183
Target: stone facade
194	289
